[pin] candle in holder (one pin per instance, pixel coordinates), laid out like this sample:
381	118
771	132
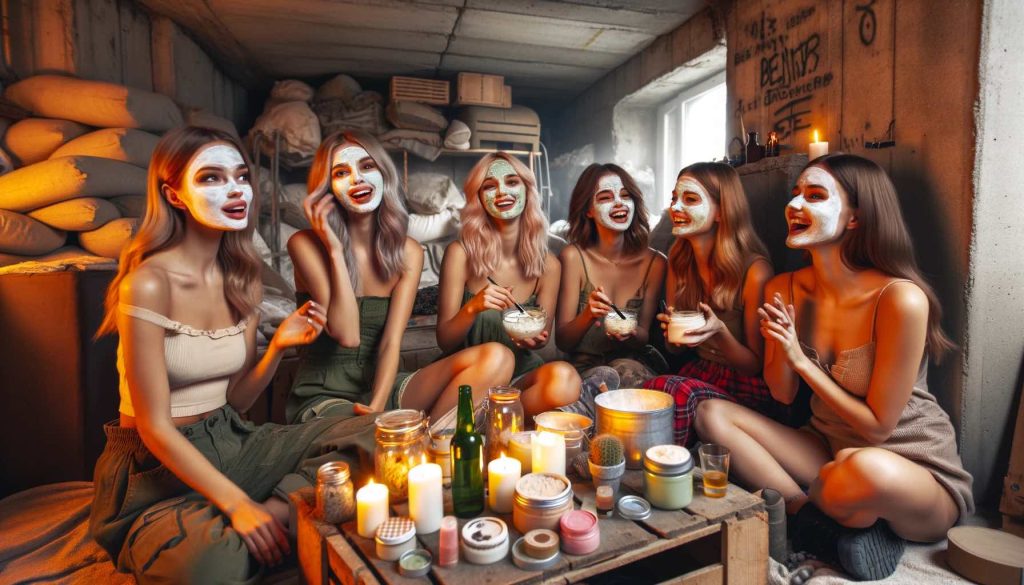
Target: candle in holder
371	508
426	506
502	475
548	453
816	148
520	446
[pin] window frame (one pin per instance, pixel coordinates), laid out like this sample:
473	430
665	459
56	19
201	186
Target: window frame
663	182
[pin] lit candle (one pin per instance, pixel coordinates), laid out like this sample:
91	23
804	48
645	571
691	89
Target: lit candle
816	148
548	453
426	506
520	446
502	475
371	508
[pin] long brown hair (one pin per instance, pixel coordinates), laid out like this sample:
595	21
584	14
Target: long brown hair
479	235
736	244
163	225
882	240
582	230
391	218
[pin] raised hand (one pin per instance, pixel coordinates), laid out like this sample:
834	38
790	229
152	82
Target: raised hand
318	209
301	327
598	303
491	296
778	325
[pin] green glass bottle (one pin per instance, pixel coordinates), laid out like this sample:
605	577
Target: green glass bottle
467	460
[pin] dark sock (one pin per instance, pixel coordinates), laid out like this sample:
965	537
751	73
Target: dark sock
864	553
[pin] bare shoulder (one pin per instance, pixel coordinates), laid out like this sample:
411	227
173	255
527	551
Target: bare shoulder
551	262
658	260
903	297
303	240
456	251
570	254
413	250
760	271
148	286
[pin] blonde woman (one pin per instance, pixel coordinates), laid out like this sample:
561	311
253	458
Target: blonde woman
717	266
187	491
358	264
501	258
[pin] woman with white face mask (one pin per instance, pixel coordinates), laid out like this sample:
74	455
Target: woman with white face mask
608	262
186	490
501	258
358	264
878	462
717	267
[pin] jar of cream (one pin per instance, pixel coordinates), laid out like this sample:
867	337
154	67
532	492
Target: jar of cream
668	477
540	501
485	540
395	537
580	533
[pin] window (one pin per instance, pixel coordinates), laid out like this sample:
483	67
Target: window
691	128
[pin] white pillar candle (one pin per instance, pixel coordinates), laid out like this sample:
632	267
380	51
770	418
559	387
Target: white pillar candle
426	506
548	453
816	148
502	475
520	446
371	508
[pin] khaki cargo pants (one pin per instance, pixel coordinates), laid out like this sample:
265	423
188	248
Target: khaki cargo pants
156	527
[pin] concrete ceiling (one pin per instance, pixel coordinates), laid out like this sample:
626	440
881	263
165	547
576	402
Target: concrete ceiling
546	49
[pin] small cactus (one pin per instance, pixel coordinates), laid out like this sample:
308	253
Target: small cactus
606	450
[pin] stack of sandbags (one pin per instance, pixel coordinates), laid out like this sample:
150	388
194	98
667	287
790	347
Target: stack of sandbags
435	206
341	104
287	113
82	160
418	128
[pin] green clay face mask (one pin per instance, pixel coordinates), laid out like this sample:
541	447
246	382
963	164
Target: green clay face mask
504	195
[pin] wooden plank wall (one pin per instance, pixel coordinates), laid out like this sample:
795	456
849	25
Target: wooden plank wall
120	42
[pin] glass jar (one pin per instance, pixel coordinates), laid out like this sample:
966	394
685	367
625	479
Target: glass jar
504	419
440	453
668	477
335	495
401	445
540	501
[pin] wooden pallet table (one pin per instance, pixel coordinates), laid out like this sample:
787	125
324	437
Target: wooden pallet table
711	541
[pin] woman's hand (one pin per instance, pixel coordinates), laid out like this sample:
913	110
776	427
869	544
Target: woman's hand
301	327
598	304
360	409
493	297
318	209
712	326
261	531
778	325
534	343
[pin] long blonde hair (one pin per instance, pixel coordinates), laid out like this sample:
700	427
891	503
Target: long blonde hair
479	235
391	218
736	244
163	226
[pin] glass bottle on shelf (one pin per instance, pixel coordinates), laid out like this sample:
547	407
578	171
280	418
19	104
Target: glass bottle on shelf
754	150
467	460
504	419
401	445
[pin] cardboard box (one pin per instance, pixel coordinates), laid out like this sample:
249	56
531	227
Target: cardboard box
479	89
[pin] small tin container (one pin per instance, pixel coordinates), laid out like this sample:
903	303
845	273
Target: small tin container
633	508
395	537
530	511
541	543
668	477
580	532
485	540
527	562
415	563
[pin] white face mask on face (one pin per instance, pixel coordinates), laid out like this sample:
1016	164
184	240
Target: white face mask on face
689	216
622	209
356	180
216	191
504	201
822	215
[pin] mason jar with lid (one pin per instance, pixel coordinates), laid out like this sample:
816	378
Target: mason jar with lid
668	477
504	419
540	501
335	495
401	445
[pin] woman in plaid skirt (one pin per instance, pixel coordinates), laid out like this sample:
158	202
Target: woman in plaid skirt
717	266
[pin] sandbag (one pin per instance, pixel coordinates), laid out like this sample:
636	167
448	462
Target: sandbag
297	125
77	215
458	135
130	205
62	253
123	144
291	90
24	236
95	103
59	179
340	86
108	240
428	228
430	193
34	139
416	116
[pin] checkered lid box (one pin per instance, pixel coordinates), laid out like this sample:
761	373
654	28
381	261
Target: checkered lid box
396	530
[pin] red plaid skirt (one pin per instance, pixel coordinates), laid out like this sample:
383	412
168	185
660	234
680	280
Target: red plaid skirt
700	380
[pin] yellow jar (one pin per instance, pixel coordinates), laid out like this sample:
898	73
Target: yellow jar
668	477
540	502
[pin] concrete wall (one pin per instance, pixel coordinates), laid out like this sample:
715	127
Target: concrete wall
117	41
995	297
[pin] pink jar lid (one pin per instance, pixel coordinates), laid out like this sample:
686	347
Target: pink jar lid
577	523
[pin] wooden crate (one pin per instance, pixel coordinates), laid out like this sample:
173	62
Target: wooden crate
424	91
479	89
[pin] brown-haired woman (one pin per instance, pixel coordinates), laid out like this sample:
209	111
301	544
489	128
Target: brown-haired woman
500	258
608	262
879	456
358	264
186	491
717	266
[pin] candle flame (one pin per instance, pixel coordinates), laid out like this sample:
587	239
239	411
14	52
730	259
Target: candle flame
816	136
502	455
370	482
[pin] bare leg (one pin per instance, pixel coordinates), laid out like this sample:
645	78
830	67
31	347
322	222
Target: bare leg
552	385
435	388
863	485
764	453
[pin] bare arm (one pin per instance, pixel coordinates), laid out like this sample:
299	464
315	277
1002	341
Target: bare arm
324	275
778	374
454	319
572	326
650	303
670	300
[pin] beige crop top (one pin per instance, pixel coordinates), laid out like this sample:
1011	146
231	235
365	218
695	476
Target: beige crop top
199	363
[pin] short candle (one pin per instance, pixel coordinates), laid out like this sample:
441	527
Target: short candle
502	475
371	508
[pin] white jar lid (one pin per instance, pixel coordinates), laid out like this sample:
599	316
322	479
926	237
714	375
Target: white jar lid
485	533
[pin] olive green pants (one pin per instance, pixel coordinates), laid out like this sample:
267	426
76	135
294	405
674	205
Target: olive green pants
156	527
